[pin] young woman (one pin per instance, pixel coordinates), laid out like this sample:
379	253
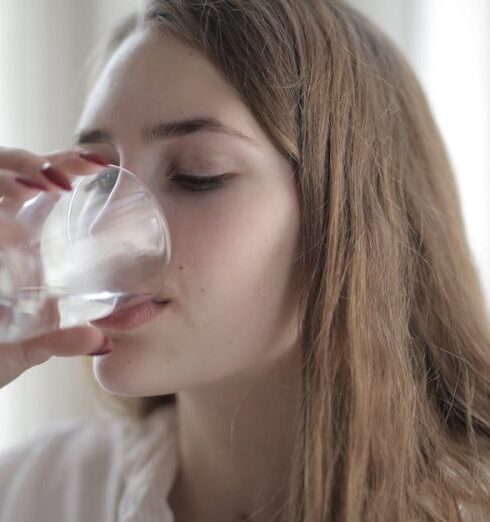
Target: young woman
324	355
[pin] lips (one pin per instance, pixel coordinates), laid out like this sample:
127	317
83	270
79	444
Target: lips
132	316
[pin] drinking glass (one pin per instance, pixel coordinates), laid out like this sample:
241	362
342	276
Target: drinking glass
101	248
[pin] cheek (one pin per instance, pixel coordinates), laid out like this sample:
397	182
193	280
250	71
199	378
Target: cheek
237	252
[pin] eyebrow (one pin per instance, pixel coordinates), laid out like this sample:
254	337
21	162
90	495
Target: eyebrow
164	130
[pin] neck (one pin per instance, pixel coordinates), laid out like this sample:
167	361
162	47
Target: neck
235	445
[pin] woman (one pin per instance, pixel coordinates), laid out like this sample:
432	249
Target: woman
325	352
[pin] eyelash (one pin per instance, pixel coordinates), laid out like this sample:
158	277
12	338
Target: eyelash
200	183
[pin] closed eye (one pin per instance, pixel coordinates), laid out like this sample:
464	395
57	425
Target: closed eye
200	183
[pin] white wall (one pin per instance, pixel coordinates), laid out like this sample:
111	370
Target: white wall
395	17
453	58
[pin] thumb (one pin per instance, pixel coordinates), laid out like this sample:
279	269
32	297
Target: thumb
16	358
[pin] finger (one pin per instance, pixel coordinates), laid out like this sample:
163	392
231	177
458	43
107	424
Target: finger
14	186
15	162
16	358
77	162
15	194
79	340
53	170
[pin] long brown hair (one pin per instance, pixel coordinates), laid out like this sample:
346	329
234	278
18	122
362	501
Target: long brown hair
395	414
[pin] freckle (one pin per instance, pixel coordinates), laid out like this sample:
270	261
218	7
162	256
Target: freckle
230	342
181	267
128	362
202	290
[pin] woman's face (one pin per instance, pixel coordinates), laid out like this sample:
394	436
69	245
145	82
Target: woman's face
231	280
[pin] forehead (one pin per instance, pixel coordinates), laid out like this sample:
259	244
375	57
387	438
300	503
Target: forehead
154	76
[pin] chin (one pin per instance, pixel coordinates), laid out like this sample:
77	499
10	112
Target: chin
116	376
126	376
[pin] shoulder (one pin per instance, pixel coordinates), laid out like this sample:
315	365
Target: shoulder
76	467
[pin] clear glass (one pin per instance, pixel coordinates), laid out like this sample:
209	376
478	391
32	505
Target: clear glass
102	247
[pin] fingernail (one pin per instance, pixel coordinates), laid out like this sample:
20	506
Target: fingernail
94	158
105	348
55	176
31	184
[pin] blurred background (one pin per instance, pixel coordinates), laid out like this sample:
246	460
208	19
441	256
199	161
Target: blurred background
45	47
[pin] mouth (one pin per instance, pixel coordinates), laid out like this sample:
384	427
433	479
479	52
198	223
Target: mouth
132	316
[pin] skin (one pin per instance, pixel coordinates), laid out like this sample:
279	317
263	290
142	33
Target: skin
227	342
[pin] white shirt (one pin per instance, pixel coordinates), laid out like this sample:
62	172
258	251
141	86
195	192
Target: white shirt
96	470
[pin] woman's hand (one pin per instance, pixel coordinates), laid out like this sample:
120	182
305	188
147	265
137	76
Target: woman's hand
22	175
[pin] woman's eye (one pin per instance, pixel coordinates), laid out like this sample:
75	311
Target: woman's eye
199	183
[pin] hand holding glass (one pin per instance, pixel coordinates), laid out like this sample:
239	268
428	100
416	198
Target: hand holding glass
102	247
